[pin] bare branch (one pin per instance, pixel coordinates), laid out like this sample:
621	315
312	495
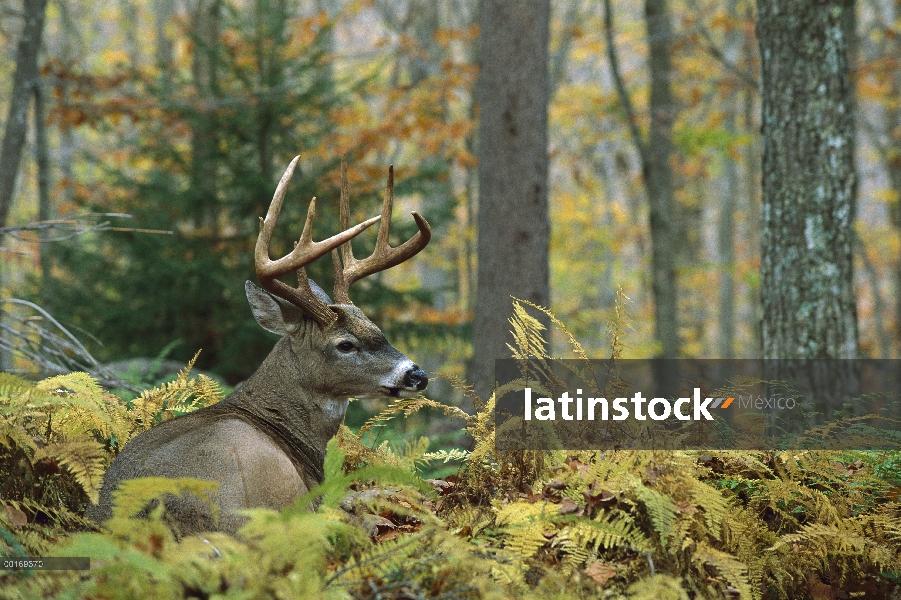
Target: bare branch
624	98
66	228
713	50
44	342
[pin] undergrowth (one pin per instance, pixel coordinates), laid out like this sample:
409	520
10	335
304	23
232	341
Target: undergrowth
538	524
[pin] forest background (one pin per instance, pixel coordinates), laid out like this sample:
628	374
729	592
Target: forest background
183	115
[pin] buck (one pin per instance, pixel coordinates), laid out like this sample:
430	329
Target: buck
265	443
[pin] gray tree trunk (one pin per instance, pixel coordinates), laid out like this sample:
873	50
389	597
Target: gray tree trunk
807	291
163	49
658	176
17	120
42	154
726	224
206	18
513	226
892	156
24	79
657	173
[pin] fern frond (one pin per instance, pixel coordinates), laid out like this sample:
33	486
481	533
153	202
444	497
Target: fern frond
617	326
81	407
13	435
714	505
85	459
615	530
170	399
528	340
523	526
830	540
12	386
660	508
577	347
408	406
445	456
729	567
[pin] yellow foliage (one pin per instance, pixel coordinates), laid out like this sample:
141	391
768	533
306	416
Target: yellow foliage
661	524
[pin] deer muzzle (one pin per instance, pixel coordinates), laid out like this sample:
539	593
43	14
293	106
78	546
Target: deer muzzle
407	381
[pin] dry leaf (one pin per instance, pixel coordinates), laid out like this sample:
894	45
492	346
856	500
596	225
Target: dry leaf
600	572
16	516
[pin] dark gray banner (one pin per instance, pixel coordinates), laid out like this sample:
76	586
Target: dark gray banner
54	563
698	404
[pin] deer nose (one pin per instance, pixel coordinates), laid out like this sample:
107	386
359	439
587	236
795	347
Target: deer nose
416	378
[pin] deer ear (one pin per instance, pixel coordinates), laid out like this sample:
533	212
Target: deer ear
272	313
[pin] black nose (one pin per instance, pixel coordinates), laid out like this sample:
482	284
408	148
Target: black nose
417	378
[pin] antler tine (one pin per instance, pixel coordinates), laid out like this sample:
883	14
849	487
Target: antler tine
384	256
305	251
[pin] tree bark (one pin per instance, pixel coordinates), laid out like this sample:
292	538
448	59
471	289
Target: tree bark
513	225
17	121
807	291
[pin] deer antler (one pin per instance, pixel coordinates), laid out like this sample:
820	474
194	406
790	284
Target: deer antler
305	251
384	256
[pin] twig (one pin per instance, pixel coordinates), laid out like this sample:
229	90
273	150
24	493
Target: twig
52	349
713	50
71	227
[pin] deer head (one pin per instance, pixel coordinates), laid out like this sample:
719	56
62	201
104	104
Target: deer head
350	357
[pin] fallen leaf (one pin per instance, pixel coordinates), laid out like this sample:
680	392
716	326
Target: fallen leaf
16	516
600	572
568	506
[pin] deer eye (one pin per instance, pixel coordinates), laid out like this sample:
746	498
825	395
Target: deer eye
346	347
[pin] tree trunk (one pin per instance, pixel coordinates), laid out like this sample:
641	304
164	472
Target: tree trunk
657	173
726	226
24	79
659	176
893	167
807	290
44	210
163	50
203	144
513	226
17	121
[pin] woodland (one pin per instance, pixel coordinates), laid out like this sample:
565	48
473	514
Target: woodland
631	179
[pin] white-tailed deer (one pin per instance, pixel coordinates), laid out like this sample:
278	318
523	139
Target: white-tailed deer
265	443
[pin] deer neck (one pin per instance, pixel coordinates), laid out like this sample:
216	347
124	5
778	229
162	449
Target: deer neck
278	400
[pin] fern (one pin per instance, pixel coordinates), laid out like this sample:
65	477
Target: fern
670	524
445	456
523	527
408	406
613	531
660	508
85	459
729	567
176	397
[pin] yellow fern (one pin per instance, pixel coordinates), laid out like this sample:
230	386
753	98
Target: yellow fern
85	458
729	567
523	527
